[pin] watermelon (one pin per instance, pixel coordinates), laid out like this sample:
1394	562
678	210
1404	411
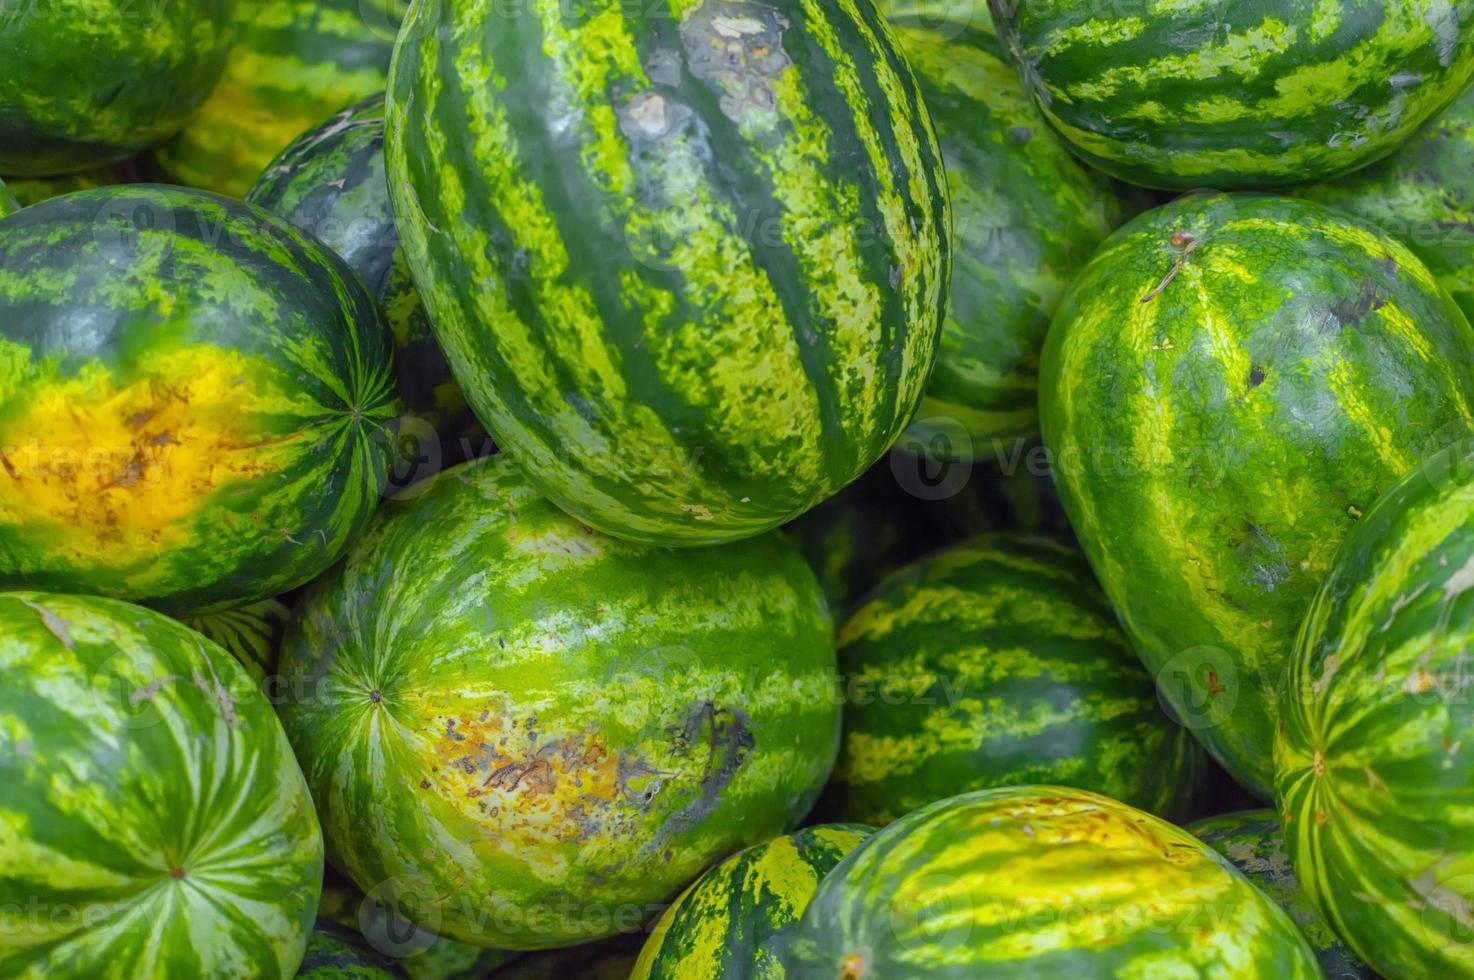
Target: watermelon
1027	216
1424	195
330	183
154	820
332	956
34	190
688	261
1251	839
90	82
1250	94
1041	882
298	62
1012	491
1228	385
607	959
1374	772
193	400
735	920
252	634
524	733
8	203
998	662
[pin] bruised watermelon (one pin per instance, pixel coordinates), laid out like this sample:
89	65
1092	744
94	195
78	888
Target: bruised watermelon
195	400
520	731
687	260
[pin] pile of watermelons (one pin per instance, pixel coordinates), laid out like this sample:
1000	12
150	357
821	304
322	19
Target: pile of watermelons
736	489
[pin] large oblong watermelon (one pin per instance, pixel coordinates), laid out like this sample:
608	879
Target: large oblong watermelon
1242	94
998	662
517	727
194	400
154	821
687	260
1045	883
90	82
330	183
1374	766
735	920
1228	385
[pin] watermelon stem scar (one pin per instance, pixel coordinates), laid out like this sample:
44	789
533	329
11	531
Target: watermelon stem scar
1185	242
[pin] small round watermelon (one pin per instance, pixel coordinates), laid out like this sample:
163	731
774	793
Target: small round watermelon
1041	882
334	956
688	262
735	920
195	400
1225	389
1374	763
90	82
1241	95
252	634
1026	217
998	662
521	732
1251	839
153	818
330	183
297	63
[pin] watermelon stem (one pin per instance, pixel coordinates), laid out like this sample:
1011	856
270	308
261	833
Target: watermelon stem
1185	242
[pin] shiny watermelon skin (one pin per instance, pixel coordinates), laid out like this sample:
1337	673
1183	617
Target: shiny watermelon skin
579	724
330	183
735	920
1026	217
1041	882
1424	195
1372	762
999	662
688	261
1251	839
217	434
1217	432
251	634
91	82
1252	94
297	63
150	793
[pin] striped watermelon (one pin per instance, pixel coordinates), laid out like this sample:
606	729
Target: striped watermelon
998	662
330	183
331	956
193	400
1027	216
1254	93
1251	839
90	82
252	634
8	203
1424	195
523	732
296	64
1374	769
734	921
1228	385
1041	882
688	261
153	819
1016	491
34	190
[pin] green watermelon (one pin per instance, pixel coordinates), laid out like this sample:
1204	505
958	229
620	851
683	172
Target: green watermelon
734	921
330	183
334	957
1424	195
90	82
8	203
34	190
153	821
1041	882
998	662
1374	767
193	400
252	634
524	733
1013	491
298	62
1251	839
688	261
1027	216
1254	93
1225	389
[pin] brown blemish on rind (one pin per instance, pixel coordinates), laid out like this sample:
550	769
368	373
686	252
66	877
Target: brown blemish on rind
738	49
